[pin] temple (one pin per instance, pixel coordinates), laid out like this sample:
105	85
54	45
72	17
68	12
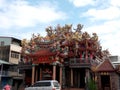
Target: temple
71	56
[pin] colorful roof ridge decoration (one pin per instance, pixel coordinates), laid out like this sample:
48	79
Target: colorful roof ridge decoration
63	42
106	65
64	34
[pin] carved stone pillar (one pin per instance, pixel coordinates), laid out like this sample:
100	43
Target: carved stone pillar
61	74
54	72
40	73
36	75
63	77
33	74
87	77
87	74
71	77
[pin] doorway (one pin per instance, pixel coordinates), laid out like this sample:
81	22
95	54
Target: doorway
79	77
105	82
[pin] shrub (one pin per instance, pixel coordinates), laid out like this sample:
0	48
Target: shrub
91	85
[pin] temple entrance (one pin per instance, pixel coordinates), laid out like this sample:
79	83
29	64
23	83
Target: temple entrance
79	78
105	82
58	73
46	72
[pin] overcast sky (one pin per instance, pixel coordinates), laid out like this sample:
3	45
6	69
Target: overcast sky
21	18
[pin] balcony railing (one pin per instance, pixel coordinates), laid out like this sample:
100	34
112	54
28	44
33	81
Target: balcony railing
80	62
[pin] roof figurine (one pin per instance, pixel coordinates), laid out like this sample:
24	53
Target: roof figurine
79	28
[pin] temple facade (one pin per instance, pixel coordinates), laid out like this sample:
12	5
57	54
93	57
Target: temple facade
72	57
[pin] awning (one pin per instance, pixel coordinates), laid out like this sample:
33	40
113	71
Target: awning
3	62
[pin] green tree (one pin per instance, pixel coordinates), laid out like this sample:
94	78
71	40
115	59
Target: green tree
91	85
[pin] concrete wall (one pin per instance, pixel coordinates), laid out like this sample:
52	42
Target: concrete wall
17	50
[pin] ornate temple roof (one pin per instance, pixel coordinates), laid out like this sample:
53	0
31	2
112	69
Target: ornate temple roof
63	42
43	52
106	65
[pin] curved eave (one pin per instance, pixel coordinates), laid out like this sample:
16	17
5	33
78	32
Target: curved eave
41	53
105	70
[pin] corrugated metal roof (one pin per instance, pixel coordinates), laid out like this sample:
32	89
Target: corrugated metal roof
3	62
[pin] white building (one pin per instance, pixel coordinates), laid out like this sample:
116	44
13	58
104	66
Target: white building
115	60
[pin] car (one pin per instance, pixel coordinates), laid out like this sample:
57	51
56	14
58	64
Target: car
45	85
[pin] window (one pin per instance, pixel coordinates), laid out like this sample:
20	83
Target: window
15	55
55	84
2	43
42	84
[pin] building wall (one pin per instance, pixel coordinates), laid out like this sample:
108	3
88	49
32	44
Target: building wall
114	81
13	50
114	58
14	53
4	53
10	51
7	41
